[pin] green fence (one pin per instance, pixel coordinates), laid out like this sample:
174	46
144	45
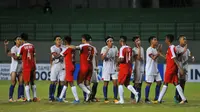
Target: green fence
46	32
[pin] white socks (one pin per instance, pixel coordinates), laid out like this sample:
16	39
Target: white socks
121	93
63	92
180	91
75	93
130	87
162	93
27	89
34	91
84	88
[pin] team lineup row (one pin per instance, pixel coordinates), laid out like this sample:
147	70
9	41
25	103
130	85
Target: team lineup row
117	66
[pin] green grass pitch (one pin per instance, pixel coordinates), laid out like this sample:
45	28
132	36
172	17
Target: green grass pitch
192	93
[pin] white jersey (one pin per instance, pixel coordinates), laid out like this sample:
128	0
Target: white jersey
57	50
139	63
182	58
94	57
151	65
15	64
109	65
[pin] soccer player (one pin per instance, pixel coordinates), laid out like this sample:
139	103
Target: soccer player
138	70
171	73
109	55
94	78
15	70
57	67
27	51
183	57
125	69
152	73
86	68
69	55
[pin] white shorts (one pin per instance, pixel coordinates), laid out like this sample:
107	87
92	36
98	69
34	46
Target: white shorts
94	78
57	72
152	78
138	77
108	76
16	68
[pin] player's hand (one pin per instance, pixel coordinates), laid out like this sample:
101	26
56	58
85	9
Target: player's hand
193	59
185	48
6	42
181	71
159	48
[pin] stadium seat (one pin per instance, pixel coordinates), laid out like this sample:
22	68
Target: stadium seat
44	32
8	31
61	29
148	29
185	29
27	28
164	29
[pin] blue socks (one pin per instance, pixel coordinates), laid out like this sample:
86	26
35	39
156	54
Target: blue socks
84	94
139	91
115	91
105	91
11	91
20	91
50	91
147	89
132	95
157	92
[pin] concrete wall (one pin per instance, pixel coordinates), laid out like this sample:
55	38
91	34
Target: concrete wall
43	49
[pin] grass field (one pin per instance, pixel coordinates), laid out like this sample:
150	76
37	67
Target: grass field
192	93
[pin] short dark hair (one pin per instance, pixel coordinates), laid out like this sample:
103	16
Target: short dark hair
135	37
151	38
56	37
87	37
24	36
68	39
123	37
181	36
109	36
170	37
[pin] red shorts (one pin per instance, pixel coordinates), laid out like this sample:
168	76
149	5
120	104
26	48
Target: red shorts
85	73
124	74
69	74
171	76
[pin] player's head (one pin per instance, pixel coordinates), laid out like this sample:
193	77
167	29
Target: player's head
169	38
17	40
68	40
136	40
24	37
58	40
109	40
122	40
86	38
182	40
153	40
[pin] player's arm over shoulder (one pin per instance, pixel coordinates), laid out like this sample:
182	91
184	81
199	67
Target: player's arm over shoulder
151	55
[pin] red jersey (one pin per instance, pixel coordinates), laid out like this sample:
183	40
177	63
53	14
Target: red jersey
86	54
126	53
69	55
27	51
170	64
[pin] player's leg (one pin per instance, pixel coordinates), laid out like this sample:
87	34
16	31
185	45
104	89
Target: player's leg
33	86
105	91
64	89
115	86
126	80
167	79
94	80
26	78
53	79
149	80
12	86
74	92
106	79
179	89
81	79
87	83
158	85
61	78
21	88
